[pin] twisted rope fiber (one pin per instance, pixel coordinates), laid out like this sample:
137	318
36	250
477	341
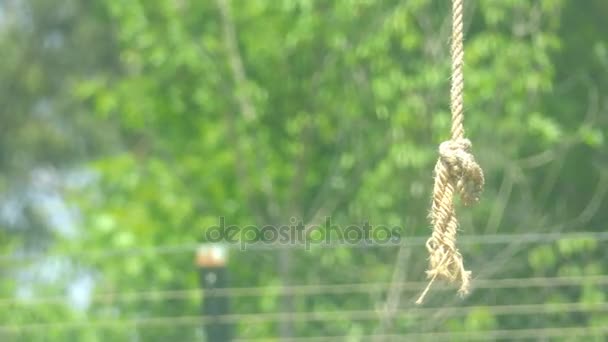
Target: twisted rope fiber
455	171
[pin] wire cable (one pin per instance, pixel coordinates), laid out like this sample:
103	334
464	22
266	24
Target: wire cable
308	290
319	316
412	242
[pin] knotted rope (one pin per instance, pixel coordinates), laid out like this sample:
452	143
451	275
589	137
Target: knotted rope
456	170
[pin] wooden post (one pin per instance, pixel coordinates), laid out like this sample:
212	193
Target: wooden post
211	260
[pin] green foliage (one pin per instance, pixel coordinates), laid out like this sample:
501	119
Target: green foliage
277	109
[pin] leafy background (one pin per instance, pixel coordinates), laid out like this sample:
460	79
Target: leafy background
129	128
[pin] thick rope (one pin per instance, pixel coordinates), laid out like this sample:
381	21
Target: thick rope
455	171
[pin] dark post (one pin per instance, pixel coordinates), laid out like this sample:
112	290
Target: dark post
211	260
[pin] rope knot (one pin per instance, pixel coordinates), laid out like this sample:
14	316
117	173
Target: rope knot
456	170
463	170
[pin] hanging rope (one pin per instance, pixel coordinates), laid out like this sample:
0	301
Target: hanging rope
456	170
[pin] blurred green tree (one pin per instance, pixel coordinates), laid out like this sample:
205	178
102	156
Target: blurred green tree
261	111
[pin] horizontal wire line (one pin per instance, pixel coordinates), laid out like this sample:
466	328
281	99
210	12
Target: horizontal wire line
514	334
360	315
416	241
294	290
